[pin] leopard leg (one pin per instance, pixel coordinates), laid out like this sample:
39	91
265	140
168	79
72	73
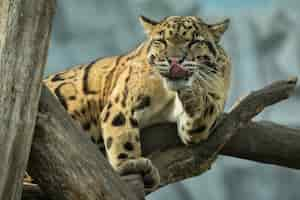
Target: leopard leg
198	116
123	147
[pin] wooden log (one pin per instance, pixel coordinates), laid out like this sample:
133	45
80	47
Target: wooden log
259	141
66	164
24	39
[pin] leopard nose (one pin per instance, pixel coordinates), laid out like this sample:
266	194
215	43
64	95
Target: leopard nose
177	60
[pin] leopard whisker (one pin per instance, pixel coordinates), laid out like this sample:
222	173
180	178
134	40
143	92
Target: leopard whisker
210	70
213	80
200	76
209	78
163	70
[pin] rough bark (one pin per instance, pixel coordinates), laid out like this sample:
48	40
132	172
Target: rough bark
24	38
259	141
66	164
266	142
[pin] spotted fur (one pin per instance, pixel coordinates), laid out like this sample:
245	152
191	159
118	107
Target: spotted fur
112	98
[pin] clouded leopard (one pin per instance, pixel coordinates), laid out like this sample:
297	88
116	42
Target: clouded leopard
180	73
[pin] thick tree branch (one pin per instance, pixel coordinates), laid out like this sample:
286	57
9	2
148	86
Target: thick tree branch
179	162
266	142
274	145
24	38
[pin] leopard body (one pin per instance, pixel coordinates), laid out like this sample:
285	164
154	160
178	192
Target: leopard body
180	73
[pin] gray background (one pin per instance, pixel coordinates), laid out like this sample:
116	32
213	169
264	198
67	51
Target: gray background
264	46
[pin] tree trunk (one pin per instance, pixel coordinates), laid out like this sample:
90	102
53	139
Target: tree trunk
24	37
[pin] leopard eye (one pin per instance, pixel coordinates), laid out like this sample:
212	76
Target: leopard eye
158	43
194	43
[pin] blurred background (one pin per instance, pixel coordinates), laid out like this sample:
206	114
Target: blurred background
262	42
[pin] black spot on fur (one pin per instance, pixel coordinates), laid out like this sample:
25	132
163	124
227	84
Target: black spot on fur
72	97
127	79
86	74
90	105
211	47
125	94
106	116
86	126
182	128
60	97
118	60
109	105
109	142
123	156
198	130
128	146
117	98
119	119
57	77
144	101
133	122
100	105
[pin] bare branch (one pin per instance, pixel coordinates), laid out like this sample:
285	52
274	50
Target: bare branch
266	142
178	162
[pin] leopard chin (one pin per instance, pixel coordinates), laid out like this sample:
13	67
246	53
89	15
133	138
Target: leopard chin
178	84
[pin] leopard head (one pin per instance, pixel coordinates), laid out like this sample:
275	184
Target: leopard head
183	48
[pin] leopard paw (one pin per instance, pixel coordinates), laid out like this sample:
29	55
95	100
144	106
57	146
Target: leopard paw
192	131
144	167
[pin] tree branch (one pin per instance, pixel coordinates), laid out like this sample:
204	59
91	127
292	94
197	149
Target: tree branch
178	162
266	142
274	145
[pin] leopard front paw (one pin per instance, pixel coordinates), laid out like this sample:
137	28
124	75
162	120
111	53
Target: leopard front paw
192	131
145	168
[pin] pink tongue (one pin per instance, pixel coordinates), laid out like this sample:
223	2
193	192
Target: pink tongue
176	71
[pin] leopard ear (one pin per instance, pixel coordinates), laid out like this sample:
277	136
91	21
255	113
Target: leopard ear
148	24
219	29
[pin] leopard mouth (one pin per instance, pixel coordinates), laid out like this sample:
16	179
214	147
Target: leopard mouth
177	72
176	78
